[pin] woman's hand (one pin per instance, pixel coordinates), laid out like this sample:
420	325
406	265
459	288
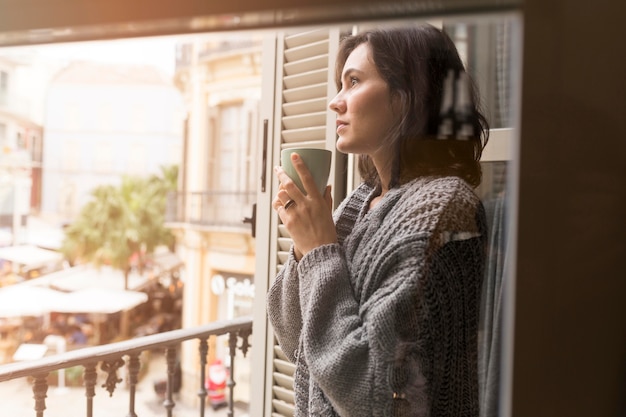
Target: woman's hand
308	218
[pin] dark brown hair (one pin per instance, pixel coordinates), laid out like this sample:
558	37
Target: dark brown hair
414	62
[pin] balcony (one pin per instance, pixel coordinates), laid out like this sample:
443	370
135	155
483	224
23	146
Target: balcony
210	209
107	360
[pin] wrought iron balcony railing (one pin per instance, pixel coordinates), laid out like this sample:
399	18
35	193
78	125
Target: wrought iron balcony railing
210	208
112	357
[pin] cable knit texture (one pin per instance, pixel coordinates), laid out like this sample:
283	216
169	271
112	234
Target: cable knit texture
384	323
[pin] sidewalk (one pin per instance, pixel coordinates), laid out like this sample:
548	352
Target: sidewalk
17	399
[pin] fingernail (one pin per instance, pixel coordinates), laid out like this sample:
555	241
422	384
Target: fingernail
294	156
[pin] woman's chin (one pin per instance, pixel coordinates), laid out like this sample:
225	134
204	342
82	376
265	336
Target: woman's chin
342	146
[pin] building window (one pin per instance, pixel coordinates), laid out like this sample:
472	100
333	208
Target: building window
232	164
4	87
21	141
35	148
3	136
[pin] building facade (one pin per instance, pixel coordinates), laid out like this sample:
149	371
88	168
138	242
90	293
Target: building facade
220	79
20	150
103	121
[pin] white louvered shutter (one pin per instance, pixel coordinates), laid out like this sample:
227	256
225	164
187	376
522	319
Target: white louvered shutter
304	86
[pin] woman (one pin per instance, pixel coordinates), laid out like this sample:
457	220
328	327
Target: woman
378	306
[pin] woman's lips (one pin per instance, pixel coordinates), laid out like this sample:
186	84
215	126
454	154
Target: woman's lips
340	125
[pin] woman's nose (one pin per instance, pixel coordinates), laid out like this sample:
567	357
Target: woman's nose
337	104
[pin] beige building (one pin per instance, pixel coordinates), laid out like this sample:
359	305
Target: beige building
20	149
220	79
104	121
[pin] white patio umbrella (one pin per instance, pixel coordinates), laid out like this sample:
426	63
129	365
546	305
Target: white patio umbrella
26	300
99	301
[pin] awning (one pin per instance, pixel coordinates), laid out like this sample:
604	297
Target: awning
29	255
167	261
26	300
100	300
85	276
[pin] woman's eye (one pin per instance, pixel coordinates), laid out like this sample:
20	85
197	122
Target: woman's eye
353	81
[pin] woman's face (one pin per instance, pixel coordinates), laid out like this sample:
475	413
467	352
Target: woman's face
364	108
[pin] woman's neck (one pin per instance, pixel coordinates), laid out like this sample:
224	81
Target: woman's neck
381	191
374	202
384	176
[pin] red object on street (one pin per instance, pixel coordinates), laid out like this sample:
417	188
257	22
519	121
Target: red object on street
216	384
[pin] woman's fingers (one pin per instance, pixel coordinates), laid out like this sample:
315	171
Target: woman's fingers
328	197
282	199
287	186
307	217
305	178
305	174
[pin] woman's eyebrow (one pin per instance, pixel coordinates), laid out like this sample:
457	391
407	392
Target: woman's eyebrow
349	71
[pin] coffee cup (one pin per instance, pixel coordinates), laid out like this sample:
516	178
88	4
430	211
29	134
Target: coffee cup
317	161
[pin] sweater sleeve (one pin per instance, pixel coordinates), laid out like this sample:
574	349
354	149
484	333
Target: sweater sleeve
352	348
283	307
283	298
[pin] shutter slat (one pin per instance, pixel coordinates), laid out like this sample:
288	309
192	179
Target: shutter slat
304	120
305	93
306	78
283	380
285	367
282	256
284	243
283	407
282	232
283	394
305	106
306	144
305	51
305	65
302	38
278	352
316	133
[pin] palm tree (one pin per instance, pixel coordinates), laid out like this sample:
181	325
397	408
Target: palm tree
122	222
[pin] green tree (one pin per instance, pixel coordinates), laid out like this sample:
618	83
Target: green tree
122	222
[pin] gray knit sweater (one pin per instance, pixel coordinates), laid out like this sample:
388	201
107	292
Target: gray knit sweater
384	323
